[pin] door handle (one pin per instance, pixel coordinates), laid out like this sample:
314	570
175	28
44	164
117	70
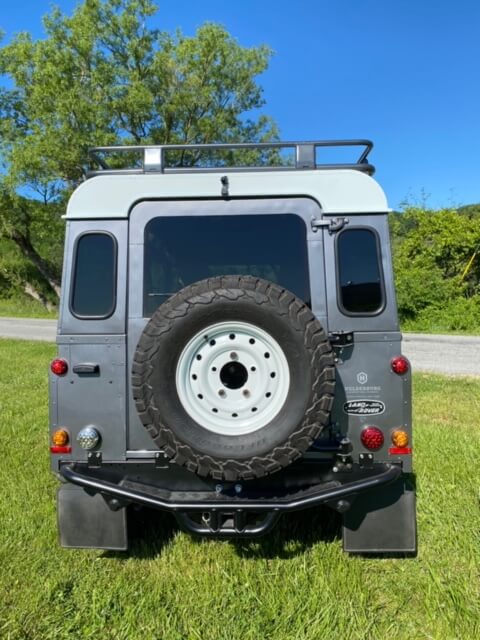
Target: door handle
86	367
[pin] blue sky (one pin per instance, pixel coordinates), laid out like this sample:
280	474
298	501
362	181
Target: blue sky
404	73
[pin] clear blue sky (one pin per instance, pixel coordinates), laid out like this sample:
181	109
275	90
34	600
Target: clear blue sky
404	73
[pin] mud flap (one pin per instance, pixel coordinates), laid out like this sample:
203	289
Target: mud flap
87	522
383	522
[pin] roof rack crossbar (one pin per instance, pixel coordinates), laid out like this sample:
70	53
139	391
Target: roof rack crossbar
154	157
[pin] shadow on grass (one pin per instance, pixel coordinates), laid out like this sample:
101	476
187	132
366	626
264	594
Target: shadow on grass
150	531
294	534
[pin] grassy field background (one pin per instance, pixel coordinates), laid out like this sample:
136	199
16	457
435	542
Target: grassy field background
295	584
22	307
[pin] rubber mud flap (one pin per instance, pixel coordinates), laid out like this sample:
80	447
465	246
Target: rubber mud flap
87	522
383	521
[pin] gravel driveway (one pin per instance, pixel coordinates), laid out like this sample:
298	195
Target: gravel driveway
452	355
28	329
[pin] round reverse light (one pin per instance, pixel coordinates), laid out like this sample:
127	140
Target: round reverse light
400	438
400	365
372	438
59	366
88	438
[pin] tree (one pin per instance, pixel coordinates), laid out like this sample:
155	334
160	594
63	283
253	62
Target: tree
437	265
105	76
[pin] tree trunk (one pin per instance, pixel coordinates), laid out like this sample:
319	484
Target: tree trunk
37	295
28	250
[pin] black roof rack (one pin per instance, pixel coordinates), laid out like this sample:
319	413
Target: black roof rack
153	158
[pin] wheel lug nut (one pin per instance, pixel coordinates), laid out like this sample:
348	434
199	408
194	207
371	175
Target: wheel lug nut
222	393
233	356
246	393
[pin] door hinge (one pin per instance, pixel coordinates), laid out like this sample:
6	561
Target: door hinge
331	224
341	338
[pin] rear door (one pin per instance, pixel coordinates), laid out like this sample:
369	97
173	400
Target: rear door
361	302
173	244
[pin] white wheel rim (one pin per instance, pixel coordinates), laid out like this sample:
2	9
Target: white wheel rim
232	378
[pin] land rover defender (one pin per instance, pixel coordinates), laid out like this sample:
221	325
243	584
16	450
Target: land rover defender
229	347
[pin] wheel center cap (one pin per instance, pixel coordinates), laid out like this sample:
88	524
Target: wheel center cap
233	375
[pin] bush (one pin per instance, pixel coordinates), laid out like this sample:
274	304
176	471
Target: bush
459	314
437	269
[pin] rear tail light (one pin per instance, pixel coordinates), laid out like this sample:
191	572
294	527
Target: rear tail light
400	451
60	442
400	365
372	438
55	449
59	366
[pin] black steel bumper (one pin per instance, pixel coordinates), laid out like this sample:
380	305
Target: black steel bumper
227	512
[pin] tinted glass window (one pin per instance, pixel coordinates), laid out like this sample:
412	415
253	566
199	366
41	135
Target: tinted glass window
182	250
359	271
93	292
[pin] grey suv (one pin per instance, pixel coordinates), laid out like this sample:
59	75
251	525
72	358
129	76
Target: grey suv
229	348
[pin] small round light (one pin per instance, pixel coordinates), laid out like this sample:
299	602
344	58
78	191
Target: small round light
60	438
372	438
400	438
88	438
59	366
400	365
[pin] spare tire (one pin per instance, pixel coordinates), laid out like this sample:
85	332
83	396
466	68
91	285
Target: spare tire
233	377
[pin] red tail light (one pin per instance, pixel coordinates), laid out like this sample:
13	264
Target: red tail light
372	438
400	365
57	449
399	451
59	366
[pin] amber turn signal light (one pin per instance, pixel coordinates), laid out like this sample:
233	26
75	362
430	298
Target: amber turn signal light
400	438
60	442
60	438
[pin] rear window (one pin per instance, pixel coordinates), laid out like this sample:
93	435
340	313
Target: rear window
94	279
182	250
359	272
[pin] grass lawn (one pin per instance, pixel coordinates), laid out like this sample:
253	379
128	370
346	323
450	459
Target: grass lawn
295	584
24	308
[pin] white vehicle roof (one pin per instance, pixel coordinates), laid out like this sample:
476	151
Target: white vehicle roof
344	188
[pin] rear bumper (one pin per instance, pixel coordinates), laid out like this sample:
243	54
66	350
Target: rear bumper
227	511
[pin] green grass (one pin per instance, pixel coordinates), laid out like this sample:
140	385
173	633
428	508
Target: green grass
22	307
295	584
440	326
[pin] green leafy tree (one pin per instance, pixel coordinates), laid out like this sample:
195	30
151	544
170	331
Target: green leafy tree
437	265
104	76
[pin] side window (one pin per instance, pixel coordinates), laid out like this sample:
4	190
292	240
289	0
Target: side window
360	280
94	276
